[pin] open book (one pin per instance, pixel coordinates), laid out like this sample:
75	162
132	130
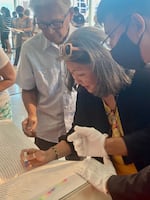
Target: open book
53	181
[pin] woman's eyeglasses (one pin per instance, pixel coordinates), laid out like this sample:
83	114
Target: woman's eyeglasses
67	49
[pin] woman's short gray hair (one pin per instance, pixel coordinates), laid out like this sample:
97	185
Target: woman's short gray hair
37	4
110	76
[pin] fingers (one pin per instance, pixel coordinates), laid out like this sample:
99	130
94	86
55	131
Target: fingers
82	130
78	143
91	132
72	137
27	156
79	132
79	147
107	161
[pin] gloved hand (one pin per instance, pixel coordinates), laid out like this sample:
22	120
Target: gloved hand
96	173
88	141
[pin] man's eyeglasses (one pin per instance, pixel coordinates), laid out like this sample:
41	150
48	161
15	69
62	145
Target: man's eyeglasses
67	49
55	24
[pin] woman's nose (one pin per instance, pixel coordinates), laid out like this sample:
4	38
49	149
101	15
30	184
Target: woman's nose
78	80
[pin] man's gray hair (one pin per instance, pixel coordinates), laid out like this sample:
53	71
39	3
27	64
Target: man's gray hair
37	4
110	76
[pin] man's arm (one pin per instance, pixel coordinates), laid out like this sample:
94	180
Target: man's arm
130	187
30	102
29	98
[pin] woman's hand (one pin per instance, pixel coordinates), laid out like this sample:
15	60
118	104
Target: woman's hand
31	158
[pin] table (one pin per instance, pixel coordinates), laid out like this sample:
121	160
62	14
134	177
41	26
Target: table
12	141
53	181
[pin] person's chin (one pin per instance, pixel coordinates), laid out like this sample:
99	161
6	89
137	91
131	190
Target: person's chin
89	90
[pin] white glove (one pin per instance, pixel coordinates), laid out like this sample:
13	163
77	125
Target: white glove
88	142
96	173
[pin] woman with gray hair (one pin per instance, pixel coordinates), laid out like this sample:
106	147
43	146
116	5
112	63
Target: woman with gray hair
108	100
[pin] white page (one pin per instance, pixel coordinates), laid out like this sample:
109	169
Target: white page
12	141
38	182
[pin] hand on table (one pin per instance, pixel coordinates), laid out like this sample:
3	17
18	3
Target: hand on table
88	141
31	158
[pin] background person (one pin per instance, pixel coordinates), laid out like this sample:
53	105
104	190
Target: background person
6	20
13	24
24	25
27	12
77	19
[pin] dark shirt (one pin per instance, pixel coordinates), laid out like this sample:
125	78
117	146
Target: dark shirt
78	20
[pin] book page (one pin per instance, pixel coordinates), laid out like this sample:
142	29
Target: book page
12	141
50	181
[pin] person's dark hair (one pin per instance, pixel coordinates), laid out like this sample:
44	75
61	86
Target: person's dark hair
27	12
122	8
76	9
110	76
19	9
14	14
6	11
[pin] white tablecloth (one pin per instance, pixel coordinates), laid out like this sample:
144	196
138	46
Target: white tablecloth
12	141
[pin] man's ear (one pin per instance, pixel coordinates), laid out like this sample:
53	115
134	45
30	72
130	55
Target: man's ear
136	27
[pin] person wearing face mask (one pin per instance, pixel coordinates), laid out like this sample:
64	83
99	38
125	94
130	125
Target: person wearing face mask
23	30
127	25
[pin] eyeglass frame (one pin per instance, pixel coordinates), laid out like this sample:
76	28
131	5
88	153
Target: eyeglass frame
51	24
63	51
104	42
